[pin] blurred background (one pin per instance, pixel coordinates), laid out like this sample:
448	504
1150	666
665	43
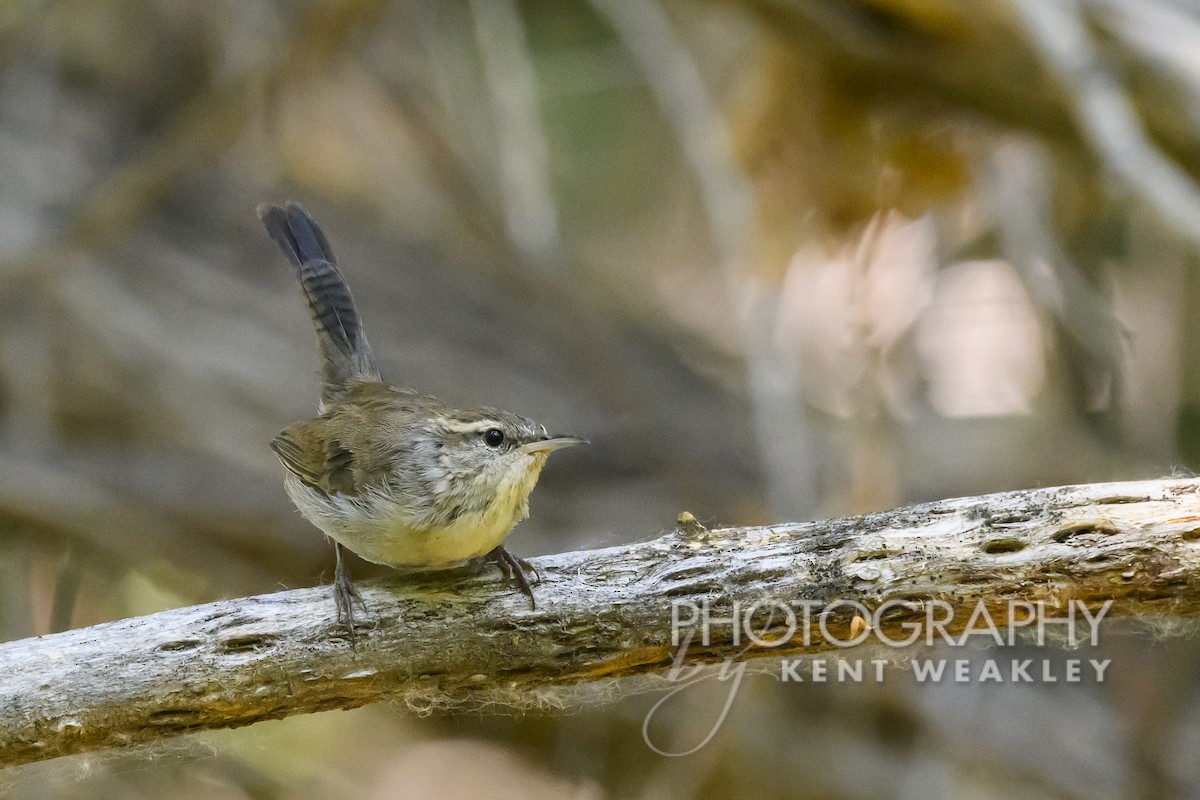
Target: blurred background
777	259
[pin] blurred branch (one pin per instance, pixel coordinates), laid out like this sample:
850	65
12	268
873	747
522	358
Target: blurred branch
1058	30
673	75
208	124
66	589
1015	178
106	523
453	641
522	152
14	587
200	129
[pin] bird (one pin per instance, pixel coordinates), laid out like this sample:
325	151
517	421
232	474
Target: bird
397	477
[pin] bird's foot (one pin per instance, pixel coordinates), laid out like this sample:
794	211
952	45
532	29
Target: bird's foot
515	570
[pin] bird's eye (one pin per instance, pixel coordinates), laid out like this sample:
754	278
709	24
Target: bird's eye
493	437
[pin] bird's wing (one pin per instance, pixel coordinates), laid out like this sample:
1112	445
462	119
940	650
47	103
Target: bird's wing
312	454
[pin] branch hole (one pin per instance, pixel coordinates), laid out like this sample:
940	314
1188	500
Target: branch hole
1014	518
998	546
249	643
871	555
1084	529
699	588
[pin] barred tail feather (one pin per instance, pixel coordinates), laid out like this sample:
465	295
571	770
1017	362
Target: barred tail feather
345	354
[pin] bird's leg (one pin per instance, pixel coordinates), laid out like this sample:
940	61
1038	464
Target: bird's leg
512	567
344	592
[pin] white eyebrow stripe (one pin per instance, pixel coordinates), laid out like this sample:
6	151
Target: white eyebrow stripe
471	427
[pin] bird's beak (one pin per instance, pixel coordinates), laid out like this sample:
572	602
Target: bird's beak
551	444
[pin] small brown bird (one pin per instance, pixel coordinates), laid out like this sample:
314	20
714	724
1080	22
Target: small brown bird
396	476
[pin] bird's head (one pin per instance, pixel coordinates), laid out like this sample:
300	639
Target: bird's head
490	460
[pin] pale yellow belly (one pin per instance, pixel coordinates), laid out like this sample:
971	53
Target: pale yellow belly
398	546
387	535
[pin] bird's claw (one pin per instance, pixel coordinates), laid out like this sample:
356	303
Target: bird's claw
516	570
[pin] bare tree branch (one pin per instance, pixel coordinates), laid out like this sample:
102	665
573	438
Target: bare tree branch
455	640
